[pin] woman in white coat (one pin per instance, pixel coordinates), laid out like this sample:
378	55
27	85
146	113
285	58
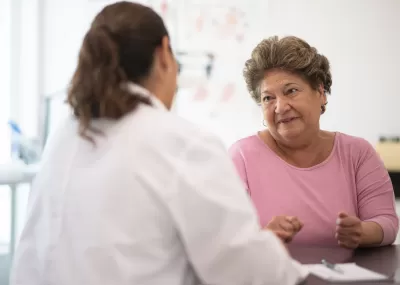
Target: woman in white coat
131	194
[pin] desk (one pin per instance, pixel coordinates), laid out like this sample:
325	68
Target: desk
384	260
13	174
395	177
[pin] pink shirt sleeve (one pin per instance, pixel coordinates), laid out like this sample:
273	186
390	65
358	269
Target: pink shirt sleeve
375	194
238	159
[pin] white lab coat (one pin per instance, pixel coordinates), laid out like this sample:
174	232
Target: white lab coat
156	201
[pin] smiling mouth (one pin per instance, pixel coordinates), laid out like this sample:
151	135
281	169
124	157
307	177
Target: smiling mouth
287	120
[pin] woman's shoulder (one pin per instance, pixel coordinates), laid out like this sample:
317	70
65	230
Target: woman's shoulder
246	143
354	146
353	141
247	148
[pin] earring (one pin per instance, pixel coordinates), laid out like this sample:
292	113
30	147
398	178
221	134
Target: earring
264	123
323	108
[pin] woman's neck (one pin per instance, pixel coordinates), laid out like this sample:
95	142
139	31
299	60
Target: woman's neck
306	154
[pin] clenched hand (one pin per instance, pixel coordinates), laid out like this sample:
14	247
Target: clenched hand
285	227
348	231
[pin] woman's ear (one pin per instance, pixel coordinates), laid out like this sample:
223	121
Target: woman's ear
321	89
164	52
322	94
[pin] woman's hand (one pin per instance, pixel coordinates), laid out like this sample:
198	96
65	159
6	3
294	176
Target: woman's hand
285	227
348	231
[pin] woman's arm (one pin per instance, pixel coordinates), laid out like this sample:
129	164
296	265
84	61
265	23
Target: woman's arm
376	205
372	234
238	160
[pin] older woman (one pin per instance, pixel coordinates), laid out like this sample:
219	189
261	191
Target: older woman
320	187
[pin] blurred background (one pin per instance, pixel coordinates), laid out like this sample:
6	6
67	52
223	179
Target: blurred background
211	39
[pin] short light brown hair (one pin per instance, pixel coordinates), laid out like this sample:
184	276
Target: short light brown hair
288	53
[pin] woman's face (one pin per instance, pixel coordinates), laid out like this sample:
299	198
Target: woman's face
291	107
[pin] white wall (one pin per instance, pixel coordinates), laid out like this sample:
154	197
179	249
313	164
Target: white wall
5	70
361	39
5	52
30	77
64	28
20	63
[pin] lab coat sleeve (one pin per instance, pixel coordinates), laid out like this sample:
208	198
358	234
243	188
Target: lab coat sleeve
218	225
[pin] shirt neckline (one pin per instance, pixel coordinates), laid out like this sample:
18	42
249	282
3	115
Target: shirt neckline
333	151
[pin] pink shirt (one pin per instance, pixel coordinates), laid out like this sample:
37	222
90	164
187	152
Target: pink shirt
352	179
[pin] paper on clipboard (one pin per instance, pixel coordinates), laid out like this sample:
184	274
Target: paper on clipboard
351	272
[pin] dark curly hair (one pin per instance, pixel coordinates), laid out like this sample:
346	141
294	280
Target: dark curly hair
118	48
288	53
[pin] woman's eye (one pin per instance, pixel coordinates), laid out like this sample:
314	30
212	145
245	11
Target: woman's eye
292	91
267	98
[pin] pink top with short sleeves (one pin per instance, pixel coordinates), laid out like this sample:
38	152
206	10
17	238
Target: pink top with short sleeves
352	179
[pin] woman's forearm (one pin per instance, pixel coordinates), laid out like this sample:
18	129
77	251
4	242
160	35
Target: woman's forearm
372	234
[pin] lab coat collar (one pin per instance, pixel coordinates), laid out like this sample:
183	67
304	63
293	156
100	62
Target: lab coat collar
140	90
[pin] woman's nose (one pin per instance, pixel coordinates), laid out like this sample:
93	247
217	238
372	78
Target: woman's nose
282	105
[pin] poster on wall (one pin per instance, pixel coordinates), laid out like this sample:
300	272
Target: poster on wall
220	102
169	11
215	25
